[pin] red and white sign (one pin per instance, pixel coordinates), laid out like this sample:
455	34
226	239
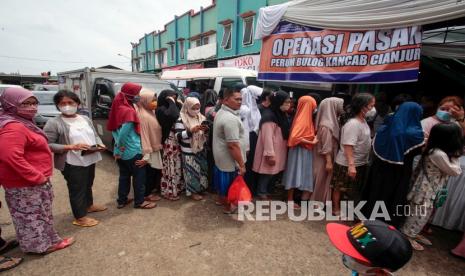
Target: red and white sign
250	62
184	67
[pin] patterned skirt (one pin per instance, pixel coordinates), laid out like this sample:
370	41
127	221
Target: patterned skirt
195	170
31	211
344	183
171	180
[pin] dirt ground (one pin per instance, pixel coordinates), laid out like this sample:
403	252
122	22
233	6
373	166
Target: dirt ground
196	238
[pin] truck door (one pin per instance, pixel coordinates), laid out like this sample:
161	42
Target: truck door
102	98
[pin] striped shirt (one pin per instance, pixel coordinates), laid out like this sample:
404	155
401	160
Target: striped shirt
184	136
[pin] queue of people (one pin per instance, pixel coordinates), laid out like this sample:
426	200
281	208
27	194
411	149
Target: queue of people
164	147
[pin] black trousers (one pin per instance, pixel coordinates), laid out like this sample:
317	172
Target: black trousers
79	180
153	179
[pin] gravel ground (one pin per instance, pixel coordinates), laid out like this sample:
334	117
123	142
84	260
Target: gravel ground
186	237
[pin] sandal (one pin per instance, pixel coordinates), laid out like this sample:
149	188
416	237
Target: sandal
152	197
9	245
146	205
230	210
7	263
89	222
120	206
66	242
416	245
196	197
423	240
96	208
456	256
176	198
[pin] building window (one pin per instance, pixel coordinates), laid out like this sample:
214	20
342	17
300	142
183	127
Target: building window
197	43
181	48
205	40
172	51
247	39
149	57
161	56
226	41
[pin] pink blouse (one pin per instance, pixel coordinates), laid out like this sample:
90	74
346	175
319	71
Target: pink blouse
270	143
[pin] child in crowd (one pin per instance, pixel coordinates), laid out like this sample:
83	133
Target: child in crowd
438	161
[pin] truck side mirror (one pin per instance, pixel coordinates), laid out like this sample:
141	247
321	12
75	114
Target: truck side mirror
104	101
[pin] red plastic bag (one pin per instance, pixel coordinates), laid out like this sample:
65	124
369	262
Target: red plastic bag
238	191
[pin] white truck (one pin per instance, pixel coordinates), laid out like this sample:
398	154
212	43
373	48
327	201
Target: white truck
97	88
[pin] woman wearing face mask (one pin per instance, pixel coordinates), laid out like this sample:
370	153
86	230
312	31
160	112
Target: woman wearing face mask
25	171
76	145
125	126
271	153
150	133
395	145
352	157
450	109
192	137
302	139
167	114
328	130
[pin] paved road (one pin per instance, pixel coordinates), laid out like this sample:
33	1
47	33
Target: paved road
195	238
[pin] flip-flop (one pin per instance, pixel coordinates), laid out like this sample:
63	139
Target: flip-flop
456	256
120	206
101	209
77	223
423	240
416	245
153	197
10	259
9	245
66	242
146	205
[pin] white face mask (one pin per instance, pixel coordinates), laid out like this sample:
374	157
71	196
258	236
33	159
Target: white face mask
68	109
370	115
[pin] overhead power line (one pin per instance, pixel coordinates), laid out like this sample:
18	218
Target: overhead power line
51	60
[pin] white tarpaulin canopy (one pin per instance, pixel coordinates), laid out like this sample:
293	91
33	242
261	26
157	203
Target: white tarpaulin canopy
358	14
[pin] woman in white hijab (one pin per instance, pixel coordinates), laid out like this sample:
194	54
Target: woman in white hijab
250	115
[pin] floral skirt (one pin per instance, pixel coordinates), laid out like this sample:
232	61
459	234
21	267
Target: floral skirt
171	181
195	170
351	187
31	211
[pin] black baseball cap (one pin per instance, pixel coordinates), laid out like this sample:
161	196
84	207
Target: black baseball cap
373	242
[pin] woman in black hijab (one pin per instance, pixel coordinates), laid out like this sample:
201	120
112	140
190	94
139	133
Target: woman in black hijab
167	114
271	152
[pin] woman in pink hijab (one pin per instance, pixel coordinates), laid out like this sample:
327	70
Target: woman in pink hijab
25	171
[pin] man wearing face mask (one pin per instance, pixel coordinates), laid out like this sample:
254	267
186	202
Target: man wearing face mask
76	146
450	110
370	247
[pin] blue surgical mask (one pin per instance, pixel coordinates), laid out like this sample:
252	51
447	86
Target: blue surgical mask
136	99
443	115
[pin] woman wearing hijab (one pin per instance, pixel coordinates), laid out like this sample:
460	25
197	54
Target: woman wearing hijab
208	101
271	152
25	171
126	130
150	134
192	137
328	129
302	139
76	147
250	115
167	114
395	145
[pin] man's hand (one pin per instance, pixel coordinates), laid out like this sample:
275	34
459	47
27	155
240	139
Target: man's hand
242	169
329	167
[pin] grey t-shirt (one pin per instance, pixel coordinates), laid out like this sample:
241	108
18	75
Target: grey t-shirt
357	134
227	127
